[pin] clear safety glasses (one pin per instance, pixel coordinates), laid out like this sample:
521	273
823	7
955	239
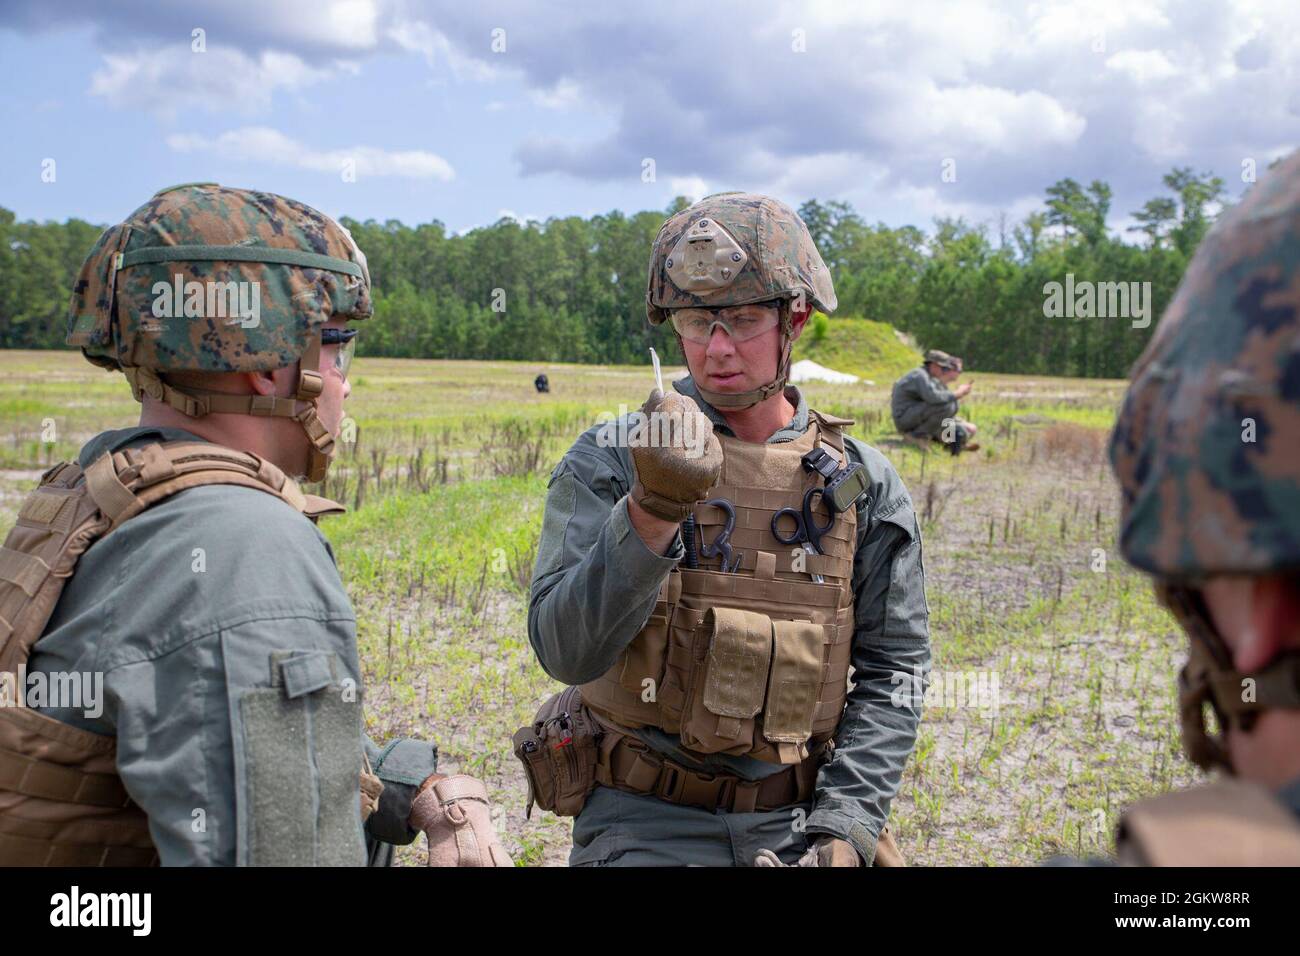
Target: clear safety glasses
741	322
346	340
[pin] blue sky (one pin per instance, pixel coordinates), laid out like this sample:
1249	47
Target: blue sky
861	102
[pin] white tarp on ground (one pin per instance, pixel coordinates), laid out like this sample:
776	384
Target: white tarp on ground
807	370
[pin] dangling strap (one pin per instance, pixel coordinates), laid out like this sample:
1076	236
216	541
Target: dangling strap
830	434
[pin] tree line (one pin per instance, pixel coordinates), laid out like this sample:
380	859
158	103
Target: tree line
573	289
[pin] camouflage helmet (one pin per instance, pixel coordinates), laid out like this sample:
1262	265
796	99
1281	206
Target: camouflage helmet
942	359
1207	445
205	278
1205	448
736	249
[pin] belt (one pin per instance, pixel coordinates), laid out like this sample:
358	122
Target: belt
626	763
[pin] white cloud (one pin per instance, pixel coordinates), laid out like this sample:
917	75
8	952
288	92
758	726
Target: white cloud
221	80
416	36
1144	66
988	118
563	95
1018	94
271	146
692	187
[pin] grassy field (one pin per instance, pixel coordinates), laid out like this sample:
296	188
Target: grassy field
1052	702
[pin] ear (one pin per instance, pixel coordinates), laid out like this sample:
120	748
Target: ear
261	383
799	316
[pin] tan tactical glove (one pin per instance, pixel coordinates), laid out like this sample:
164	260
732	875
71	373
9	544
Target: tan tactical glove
672	476
455	815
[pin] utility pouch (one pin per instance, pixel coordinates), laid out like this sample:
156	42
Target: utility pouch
558	751
792	687
728	694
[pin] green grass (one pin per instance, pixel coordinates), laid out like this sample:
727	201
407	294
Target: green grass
869	350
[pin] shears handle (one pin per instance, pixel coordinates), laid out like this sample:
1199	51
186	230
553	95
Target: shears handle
797	536
808	514
812	530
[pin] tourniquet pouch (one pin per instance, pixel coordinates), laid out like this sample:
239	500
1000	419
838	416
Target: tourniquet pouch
558	751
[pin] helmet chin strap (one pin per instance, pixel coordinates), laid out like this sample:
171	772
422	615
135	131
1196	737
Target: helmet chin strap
1237	698
736	401
198	402
310	386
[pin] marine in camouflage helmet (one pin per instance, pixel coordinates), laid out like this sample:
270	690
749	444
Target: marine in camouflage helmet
1207	446
942	359
734	249
205	278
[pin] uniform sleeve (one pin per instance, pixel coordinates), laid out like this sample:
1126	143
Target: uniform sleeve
595	582
933	392
233	684
244	746
891	657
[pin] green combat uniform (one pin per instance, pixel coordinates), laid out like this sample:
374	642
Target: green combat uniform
1207	454
606	613
925	408
595	585
181	589
921	403
185	611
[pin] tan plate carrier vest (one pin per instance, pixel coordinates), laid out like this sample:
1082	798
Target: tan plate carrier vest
752	662
61	800
1230	822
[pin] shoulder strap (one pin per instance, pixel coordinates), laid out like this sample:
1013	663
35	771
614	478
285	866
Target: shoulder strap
124	483
70	510
1228	823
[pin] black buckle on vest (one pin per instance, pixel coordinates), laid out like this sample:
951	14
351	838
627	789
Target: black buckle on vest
843	486
819	461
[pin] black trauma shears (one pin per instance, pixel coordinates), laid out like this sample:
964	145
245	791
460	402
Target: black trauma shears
721	545
806	529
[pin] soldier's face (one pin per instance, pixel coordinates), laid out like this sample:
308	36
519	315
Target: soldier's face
336	388
1259	618
725	365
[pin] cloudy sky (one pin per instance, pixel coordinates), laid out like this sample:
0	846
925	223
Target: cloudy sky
464	112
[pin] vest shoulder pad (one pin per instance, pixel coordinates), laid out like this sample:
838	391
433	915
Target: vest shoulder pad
71	509
832	421
1227	823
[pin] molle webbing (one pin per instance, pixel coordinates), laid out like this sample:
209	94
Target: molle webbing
61	800
753	662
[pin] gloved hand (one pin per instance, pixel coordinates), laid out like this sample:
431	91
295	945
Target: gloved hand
455	815
830	851
826	851
669	480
